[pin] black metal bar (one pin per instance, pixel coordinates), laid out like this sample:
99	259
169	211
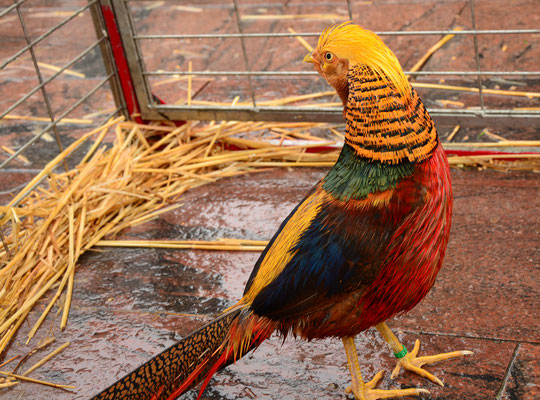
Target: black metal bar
349	9
477	58
244	51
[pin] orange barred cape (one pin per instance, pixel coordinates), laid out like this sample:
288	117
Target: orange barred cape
385	125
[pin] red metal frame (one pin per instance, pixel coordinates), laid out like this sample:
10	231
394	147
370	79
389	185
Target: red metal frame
124	75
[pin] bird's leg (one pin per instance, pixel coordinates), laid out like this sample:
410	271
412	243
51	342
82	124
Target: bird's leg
367	391
409	360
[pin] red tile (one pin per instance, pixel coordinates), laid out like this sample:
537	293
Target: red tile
523	376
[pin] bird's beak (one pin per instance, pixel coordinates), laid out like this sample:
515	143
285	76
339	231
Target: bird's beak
308	58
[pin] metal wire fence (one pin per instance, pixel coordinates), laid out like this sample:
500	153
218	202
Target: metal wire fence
43	102
141	48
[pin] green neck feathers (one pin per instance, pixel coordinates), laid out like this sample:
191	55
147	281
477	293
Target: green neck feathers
354	178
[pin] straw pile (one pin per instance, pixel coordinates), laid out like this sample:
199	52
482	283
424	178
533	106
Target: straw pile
146	169
141	176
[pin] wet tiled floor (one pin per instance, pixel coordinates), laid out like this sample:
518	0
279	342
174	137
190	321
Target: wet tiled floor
130	304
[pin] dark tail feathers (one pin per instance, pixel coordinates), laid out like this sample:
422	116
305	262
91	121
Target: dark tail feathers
188	361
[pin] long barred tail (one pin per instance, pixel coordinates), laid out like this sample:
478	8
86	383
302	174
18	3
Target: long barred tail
155	378
194	358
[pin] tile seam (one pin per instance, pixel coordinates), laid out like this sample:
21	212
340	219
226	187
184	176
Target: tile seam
504	383
494	339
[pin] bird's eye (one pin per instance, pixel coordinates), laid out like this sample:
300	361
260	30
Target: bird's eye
329	56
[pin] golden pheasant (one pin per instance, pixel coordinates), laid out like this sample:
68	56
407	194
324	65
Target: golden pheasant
365	244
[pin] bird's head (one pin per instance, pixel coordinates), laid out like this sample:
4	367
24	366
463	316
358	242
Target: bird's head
345	45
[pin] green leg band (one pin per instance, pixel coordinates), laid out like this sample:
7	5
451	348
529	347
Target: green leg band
402	353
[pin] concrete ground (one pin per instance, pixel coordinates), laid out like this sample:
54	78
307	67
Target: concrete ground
131	304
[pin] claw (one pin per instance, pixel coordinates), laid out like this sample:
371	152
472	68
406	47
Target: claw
375	380
414	364
367	391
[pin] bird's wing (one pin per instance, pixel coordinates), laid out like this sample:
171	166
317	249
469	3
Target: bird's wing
325	249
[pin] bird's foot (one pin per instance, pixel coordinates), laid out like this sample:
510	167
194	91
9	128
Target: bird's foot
411	362
367	391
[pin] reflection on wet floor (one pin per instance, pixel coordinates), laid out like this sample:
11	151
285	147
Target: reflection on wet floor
130	304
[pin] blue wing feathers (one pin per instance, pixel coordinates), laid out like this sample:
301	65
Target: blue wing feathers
329	258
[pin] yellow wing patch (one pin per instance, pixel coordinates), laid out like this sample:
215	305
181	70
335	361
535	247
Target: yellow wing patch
280	253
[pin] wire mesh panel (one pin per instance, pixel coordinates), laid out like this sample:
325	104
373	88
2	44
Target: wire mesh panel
207	53
54	83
